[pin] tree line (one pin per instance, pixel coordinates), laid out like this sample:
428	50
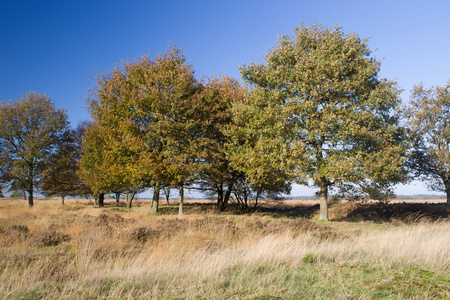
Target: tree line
315	112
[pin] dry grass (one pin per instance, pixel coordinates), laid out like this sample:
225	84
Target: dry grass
79	251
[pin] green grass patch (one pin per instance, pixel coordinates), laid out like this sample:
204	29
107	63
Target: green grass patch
313	280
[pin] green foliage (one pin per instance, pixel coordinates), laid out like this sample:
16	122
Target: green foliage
216	173
31	129
61	176
319	112
428	121
17	194
144	116
155	124
93	168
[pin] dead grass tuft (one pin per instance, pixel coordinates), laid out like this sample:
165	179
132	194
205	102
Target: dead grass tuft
50	239
142	234
22	229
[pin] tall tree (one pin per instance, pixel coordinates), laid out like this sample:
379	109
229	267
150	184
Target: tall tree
31	130
428	121
216	173
262	173
145	107
319	110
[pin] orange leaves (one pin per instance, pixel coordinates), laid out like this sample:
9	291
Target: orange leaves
144	112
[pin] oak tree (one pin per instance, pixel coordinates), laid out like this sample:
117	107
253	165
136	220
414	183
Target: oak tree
31	129
320	111
61	178
144	110
215	173
108	163
428	121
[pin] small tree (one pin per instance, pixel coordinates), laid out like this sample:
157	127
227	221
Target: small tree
31	130
108	163
247	196
428	121
61	176
166	191
18	194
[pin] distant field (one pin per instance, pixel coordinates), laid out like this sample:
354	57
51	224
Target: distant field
175	201
79	251
314	202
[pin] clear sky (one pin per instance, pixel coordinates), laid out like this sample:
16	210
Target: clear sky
55	47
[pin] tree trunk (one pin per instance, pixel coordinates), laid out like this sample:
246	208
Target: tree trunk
180	208
130	198
220	200
223	198
101	198
62	199
447	191
117	199
155	200
227	196
30	197
166	191
323	198
219	189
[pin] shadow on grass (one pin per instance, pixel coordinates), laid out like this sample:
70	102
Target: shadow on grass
279	211
346	211
392	212
343	211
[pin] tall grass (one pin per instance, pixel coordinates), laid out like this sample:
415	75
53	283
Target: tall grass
78	251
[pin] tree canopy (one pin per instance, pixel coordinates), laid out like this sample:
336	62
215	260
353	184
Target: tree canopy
31	129
61	177
215	172
315	112
143	112
428	121
319	111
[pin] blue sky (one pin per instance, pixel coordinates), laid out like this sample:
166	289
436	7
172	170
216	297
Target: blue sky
55	47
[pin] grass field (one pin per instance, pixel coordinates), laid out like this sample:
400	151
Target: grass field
78	251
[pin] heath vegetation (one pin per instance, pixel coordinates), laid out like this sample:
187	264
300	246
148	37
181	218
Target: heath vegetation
78	251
